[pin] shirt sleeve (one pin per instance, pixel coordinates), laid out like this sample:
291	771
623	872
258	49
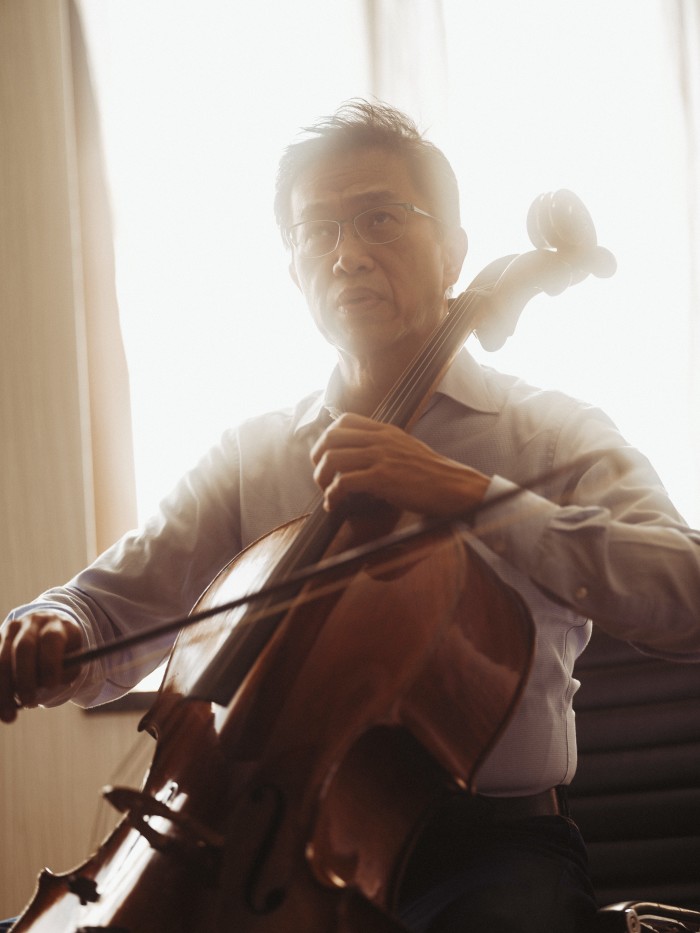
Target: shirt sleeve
605	540
150	576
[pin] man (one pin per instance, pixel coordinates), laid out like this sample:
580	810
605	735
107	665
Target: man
370	212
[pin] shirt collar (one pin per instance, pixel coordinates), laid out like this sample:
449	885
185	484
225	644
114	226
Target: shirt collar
465	382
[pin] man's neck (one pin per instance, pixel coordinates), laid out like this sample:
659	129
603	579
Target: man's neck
364	387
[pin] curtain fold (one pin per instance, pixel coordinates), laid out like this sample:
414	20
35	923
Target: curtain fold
407	53
62	492
684	19
110	428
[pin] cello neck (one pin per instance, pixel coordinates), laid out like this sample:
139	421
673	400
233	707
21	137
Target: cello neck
414	387
226	671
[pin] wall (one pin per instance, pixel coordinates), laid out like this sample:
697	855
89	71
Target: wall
52	763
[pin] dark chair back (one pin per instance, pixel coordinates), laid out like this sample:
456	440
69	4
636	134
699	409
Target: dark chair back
636	795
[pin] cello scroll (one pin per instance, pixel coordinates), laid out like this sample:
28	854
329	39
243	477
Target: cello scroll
566	251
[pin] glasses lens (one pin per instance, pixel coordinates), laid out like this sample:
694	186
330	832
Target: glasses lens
381	224
315	238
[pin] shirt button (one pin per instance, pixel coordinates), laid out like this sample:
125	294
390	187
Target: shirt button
581	592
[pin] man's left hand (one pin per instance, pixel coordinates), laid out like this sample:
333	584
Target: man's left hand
358	455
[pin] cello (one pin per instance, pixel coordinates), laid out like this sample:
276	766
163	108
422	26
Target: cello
302	742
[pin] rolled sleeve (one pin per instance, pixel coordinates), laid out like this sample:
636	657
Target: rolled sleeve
637	580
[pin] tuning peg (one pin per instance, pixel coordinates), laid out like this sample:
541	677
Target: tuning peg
560	220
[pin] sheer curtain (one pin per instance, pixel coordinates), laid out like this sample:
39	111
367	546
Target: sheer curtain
109	433
600	98
66	472
198	102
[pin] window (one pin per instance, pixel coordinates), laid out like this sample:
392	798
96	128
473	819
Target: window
198	102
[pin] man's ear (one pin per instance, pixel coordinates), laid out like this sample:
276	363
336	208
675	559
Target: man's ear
455	246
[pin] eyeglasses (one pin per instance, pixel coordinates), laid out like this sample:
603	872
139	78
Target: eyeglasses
315	238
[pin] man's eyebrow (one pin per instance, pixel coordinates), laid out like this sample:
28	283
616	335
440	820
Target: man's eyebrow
376	197
320	210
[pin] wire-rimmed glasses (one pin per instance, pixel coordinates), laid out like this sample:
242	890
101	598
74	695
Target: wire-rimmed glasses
312	239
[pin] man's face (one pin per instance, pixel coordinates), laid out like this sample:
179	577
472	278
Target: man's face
370	299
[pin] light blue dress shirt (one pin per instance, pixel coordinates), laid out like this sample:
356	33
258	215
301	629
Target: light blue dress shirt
602	541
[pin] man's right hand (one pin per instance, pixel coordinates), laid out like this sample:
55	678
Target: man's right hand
32	650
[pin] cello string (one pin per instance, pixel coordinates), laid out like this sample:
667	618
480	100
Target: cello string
440	340
400	397
132	770
388	412
401	403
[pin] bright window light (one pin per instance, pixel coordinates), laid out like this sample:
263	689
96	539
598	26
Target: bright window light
197	103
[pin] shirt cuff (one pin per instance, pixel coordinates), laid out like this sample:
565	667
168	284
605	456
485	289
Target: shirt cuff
55	696
512	523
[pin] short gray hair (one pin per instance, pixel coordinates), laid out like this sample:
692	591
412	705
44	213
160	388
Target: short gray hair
359	124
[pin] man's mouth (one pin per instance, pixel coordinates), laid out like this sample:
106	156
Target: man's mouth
358	299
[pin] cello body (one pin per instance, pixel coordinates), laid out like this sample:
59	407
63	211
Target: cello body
296	806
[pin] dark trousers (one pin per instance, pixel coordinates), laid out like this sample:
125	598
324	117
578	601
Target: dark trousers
473	873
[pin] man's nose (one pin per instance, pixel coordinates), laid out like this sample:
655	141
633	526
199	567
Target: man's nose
352	252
